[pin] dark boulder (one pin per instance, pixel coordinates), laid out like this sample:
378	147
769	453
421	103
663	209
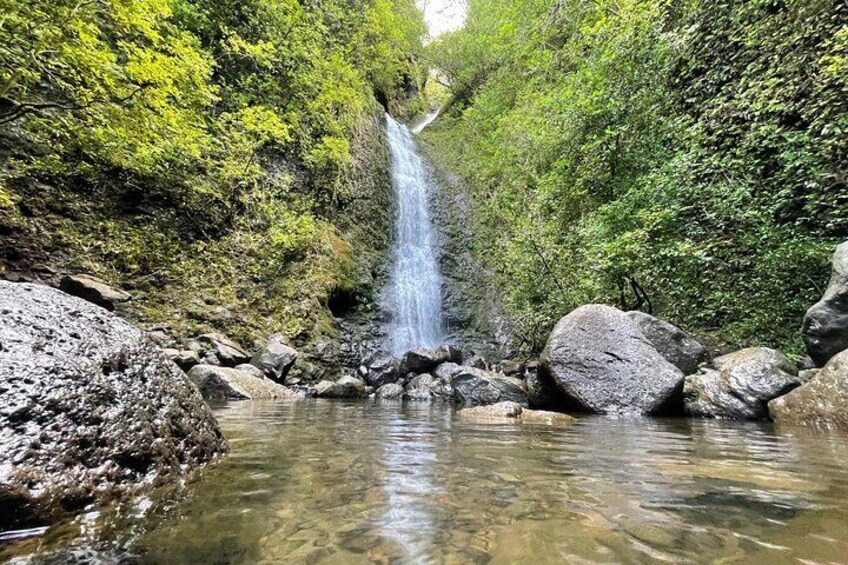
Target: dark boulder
228	352
474	387
679	348
90	409
93	290
382	371
223	383
544	394
420	361
825	327
276	358
345	387
601	361
742	386
821	401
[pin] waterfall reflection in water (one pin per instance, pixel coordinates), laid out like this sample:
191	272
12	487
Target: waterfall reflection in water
388	482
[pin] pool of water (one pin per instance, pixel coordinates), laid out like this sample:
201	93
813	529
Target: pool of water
384	482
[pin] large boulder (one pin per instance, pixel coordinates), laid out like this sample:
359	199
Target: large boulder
222	383
90	409
509	412
345	387
602	363
679	348
825	327
475	387
275	358
822	401
93	290
228	352
742	386
425	360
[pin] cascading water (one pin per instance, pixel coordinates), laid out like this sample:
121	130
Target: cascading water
415	288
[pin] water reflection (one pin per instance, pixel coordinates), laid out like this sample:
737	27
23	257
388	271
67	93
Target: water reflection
383	482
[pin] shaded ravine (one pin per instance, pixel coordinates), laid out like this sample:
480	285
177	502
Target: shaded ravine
415	300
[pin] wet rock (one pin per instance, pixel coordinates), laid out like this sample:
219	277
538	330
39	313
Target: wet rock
419	388
222	383
228	352
602	363
275	358
345	387
390	390
821	401
513	412
742	386
185	358
825	326
679	348
252	370
89	408
475	387
423	360
382	371
93	290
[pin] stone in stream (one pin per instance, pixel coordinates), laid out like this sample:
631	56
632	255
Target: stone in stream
276	358
679	348
223	383
507	412
742	386
382	371
425	360
390	391
542	393
345	387
825	327
602	363
228	352
821	401
475	387
93	290
90	409
418	388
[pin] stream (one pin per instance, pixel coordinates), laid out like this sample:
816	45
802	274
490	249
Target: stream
388	482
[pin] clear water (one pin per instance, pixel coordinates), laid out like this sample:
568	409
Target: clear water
369	482
415	286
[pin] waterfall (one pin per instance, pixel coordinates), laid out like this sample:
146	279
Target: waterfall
415	286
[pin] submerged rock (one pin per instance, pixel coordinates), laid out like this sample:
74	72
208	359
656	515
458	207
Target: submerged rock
275	358
742	386
228	352
513	412
93	290
345	387
679	348
602	362
822	401
222	383
478	387
90	409
825	327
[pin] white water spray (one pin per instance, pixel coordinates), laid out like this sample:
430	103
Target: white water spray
415	288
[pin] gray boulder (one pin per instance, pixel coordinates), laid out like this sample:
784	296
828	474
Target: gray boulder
389	391
679	348
543	394
825	326
228	352
93	290
475	387
382	371
275	358
742	386
822	401
446	370
90	409
185	358
602	363
252	370
345	387
418	388
222	383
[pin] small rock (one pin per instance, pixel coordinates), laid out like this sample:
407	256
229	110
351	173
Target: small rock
345	387
514	412
822	401
510	368
419	388
446	370
210	358
229	353
477	362
275	358
93	290
222	383
390	390
185	359
477	387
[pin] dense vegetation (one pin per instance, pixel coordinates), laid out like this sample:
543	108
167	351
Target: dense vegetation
694	149
198	152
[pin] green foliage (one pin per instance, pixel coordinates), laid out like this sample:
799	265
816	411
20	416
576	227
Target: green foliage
202	147
697	147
